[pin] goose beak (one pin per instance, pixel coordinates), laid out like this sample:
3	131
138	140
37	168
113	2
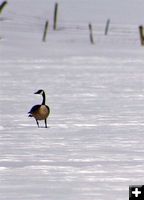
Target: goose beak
37	92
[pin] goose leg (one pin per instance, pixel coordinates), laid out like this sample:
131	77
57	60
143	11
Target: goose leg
37	123
45	123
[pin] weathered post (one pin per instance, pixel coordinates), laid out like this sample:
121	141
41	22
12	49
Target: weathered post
107	26
45	31
141	31
55	16
91	34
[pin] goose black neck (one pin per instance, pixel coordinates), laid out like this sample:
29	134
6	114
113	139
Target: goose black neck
44	98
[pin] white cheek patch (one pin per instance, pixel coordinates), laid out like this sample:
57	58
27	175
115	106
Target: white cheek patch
41	93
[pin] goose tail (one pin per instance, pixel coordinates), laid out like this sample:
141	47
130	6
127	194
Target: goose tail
30	114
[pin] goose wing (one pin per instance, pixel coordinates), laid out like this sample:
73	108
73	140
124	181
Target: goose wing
34	109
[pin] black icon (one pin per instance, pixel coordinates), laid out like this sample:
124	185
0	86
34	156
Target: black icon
136	192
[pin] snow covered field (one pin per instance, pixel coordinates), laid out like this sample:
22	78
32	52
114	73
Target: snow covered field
93	148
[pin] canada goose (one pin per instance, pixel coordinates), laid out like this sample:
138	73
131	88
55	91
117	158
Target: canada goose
40	112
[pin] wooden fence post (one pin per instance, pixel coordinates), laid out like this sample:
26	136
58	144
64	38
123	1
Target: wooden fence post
91	34
45	31
55	16
107	26
141	31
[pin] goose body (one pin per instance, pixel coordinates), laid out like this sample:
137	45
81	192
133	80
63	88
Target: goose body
40	111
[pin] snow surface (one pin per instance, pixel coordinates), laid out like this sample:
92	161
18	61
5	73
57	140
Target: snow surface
93	148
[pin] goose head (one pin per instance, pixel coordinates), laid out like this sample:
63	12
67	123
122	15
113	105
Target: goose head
39	92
